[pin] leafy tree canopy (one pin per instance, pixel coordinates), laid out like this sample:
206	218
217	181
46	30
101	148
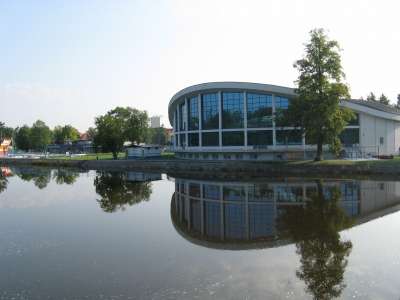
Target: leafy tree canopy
62	134
119	125
22	138
371	97
5	132
320	88
40	136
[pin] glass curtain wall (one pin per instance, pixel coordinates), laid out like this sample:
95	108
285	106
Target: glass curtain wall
232	110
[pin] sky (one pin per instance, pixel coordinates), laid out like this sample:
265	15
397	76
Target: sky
66	62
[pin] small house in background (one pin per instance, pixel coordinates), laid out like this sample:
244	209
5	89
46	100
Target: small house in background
143	151
5	146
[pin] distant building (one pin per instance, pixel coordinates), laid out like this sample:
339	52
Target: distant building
79	146
143	151
155	122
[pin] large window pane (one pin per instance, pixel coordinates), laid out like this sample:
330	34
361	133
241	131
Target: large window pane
350	136
232	110
193	113
233	138
210	111
176	127
259	110
182	112
234	193
210	139
289	137
182	140
281	103
193	139
355	121
211	192
259	138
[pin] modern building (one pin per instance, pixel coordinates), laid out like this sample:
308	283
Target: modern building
235	120
244	215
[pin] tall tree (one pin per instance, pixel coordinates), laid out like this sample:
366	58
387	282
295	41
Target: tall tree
383	99
371	97
22	138
320	88
62	134
157	136
40	136
119	125
5	132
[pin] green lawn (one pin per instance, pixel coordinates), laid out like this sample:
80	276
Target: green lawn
105	156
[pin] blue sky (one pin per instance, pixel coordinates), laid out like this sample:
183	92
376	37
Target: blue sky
69	61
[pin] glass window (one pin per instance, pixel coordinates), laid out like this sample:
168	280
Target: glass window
234	193
259	110
182	111
210	111
233	138
261	192
193	113
182	140
194	189
259	137
210	139
350	136
355	121
176	127
281	103
232	110
211	192
289	137
193	139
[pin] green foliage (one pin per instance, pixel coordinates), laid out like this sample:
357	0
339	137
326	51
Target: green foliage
156	136
5	132
320	88
371	97
22	138
40	136
117	193
120	125
384	100
91	132
315	230
62	134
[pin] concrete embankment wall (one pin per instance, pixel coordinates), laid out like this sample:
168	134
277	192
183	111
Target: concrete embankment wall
210	169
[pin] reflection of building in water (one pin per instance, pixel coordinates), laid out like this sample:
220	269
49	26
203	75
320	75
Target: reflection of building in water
140	176
229	212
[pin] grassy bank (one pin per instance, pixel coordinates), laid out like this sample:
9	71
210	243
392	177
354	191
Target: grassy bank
104	156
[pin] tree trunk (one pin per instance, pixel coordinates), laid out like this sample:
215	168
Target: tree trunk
115	155
318	157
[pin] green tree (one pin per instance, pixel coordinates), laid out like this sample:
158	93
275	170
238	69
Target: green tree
5	132
65	176
371	97
117	193
62	134
3	183
398	101
157	136
316	109
91	132
110	134
119	125
40	136
315	230
22	138
383	99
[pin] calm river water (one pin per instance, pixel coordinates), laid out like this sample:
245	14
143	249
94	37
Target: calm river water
99	235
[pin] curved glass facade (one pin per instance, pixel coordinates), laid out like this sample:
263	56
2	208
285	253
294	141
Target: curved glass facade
238	124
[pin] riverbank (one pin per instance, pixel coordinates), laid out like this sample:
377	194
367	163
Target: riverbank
237	169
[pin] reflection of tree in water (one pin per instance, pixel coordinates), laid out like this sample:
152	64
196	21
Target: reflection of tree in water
65	176
3	183
40	176
117	193
315	230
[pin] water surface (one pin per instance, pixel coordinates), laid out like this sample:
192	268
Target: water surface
71	235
